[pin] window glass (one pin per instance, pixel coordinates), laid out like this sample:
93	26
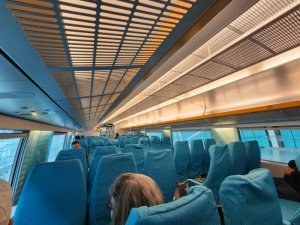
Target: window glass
57	144
190	135
275	145
154	133
8	150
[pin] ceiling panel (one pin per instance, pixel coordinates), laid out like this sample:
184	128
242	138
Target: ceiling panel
95	48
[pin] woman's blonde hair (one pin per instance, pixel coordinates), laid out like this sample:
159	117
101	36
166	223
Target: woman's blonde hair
131	190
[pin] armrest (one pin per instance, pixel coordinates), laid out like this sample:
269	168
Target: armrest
194	182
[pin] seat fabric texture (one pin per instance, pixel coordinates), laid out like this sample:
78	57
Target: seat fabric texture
54	193
109	168
207	143
253	155
196	208
159	165
138	153
182	160
238	158
197	159
219	169
100	152
250	199
74	154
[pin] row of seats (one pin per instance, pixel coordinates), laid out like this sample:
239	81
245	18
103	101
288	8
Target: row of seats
157	164
55	193
195	161
153	143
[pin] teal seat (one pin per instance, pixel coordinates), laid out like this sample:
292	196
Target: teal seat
182	160
144	141
197	159
54	193
109	168
74	154
166	143
155	143
138	153
219	169
197	208
159	165
290	212
82	143
134	140
122	141
253	155
250	199
127	141
207	143
238	158
100	152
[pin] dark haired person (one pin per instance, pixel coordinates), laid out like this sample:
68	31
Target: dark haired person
77	137
117	135
131	190
289	186
76	145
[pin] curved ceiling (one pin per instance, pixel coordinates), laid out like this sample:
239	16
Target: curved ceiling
94	50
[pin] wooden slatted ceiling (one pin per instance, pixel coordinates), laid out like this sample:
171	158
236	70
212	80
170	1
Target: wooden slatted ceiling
85	33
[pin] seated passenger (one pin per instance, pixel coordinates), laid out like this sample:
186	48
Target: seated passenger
289	186
75	145
82	137
117	135
131	190
5	203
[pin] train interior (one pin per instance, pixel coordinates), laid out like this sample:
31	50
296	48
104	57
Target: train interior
200	95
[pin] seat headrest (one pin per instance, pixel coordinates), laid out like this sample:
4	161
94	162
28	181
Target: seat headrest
198	207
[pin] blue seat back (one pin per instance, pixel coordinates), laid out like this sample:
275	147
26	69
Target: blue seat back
197	158
99	153
122	141
250	199
207	143
109	168
238	158
127	140
54	193
74	154
159	165
144	141
138	153
114	142
134	140
297	161
197	208
166	143
155	143
82	143
219	169
182	160
253	155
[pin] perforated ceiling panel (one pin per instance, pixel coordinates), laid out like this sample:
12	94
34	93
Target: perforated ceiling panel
275	37
95	48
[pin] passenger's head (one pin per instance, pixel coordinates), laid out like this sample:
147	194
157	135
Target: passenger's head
5	202
77	137
75	144
82	136
292	165
131	190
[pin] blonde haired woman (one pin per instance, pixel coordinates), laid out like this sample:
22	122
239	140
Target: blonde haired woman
129	191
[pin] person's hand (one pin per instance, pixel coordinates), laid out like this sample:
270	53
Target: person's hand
288	171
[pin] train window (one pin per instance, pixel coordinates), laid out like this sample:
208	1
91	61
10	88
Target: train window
8	151
190	135
276	145
261	136
57	144
154	133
